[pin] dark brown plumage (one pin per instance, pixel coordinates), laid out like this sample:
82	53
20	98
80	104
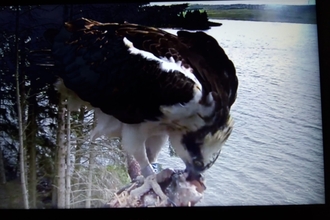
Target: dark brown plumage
100	46
126	86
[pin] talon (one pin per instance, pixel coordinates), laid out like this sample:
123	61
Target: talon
138	179
149	183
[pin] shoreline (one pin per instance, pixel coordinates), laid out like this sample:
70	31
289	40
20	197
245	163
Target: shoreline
284	14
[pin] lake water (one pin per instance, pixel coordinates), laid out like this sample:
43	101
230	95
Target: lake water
275	153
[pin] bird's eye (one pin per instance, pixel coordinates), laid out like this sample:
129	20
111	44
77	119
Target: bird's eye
198	163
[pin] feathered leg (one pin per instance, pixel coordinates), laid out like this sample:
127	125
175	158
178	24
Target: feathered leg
154	145
134	144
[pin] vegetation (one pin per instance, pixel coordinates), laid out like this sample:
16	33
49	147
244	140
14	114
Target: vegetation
291	14
176	16
47	159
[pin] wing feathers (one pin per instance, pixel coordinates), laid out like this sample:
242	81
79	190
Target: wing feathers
98	66
115	76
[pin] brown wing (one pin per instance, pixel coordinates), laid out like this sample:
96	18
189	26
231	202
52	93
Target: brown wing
198	51
154	40
98	66
213	67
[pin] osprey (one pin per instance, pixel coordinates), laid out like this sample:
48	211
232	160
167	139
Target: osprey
148	87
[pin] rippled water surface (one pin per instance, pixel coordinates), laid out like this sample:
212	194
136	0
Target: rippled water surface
275	153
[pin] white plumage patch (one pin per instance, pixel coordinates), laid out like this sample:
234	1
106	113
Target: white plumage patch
168	65
134	50
177	111
180	111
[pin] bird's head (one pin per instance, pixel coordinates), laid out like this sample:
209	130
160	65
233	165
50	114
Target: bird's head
200	149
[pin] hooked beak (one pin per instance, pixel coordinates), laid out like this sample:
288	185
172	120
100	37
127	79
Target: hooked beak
193	174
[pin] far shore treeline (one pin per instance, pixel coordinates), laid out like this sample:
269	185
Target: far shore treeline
272	13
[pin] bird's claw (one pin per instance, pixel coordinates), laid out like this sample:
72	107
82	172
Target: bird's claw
139	180
154	182
167	188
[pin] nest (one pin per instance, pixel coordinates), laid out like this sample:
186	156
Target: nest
159	191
